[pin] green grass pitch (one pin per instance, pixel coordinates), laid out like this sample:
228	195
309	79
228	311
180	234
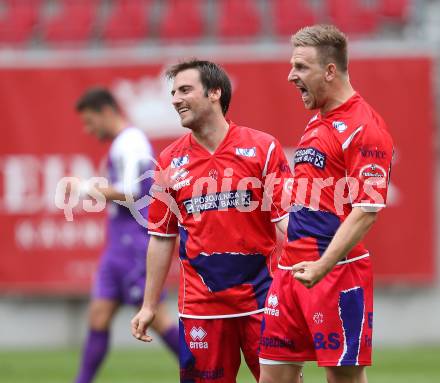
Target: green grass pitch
154	365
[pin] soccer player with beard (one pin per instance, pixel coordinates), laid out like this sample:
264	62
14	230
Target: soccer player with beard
220	189
323	289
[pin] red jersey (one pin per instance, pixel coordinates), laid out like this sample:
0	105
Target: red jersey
343	160
224	206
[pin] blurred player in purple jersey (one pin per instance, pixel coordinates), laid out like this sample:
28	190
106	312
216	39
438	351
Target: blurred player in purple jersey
121	275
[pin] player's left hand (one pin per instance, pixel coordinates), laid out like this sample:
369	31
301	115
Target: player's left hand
309	273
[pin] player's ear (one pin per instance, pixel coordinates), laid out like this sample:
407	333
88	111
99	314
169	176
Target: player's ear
330	72
107	110
214	94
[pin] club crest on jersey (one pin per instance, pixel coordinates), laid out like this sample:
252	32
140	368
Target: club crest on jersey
177	162
213	173
197	335
340	126
246	152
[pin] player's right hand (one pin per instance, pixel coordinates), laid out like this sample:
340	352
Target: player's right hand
140	323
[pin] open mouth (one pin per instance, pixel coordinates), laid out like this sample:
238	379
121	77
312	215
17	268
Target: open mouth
303	90
183	109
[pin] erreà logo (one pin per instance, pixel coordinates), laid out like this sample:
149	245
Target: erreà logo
246	152
179	161
272	300
272	303
197	333
340	126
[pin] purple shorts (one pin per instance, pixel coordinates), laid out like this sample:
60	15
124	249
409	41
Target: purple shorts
121	275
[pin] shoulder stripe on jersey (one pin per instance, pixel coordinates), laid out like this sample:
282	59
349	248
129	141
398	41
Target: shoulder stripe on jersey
269	153
347	142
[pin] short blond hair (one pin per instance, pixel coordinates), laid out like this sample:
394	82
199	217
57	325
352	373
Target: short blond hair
330	42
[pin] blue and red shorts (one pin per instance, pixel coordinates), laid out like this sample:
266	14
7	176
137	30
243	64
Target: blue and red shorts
331	323
210	348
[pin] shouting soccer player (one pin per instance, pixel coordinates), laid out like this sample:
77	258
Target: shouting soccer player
221	187
121	275
323	288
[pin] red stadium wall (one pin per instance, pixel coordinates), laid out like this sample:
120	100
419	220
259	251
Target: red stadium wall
42	140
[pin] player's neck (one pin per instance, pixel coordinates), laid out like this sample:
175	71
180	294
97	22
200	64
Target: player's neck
338	95
118	126
210	135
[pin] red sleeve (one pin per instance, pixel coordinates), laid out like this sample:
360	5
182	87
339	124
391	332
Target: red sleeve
163	211
368	153
276	177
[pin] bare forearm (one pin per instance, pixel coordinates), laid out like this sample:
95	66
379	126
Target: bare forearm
111	194
351	231
159	257
282	224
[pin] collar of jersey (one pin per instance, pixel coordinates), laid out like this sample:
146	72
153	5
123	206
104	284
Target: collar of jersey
224	142
341	108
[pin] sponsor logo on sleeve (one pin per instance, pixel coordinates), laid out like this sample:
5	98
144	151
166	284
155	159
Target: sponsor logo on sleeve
177	162
368	152
310	156
373	174
340	126
246	152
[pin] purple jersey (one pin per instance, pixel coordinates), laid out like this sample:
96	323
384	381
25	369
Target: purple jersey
121	272
130	156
